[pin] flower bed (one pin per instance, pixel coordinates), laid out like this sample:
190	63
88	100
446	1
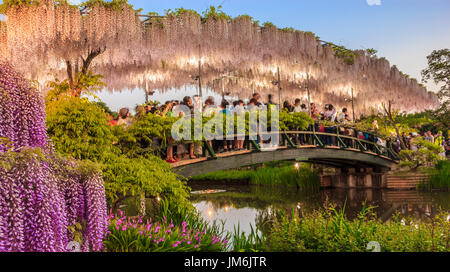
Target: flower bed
133	234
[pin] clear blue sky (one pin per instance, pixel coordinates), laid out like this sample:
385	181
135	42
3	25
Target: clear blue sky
403	31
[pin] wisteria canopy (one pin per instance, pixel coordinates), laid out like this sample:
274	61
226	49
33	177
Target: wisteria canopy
43	197
162	52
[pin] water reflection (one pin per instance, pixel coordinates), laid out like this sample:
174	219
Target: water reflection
245	204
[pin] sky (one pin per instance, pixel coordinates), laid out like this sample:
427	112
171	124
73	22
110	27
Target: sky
403	31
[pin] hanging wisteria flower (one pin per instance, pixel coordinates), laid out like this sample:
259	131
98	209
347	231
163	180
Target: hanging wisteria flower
164	52
41	194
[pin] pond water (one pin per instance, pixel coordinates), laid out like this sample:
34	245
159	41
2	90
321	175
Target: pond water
245	205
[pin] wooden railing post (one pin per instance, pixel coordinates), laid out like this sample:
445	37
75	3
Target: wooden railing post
286	137
211	152
255	145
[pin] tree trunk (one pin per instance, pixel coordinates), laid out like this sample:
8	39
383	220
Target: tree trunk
69	73
391	120
74	85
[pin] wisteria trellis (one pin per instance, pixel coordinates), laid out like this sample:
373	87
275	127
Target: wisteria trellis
163	53
41	194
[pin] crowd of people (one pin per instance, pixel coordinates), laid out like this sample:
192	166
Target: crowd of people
410	144
177	152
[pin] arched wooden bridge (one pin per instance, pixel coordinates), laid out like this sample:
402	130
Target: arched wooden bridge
345	152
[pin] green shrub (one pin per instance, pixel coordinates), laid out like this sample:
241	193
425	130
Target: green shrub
426	153
78	128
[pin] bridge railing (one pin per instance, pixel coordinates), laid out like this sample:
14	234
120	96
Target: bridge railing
305	139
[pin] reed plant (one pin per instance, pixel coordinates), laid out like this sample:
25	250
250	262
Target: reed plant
439	177
284	174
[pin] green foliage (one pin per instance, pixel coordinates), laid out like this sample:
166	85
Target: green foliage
89	82
347	55
427	153
371	52
153	126
287	30
138	138
294	121
310	34
126	177
57	88
83	84
133	235
330	231
415	120
243	242
7	4
249	18
7	143
115	4
439	178
78	128
215	13
104	107
304	177
178	12
406	123
153	13
245	16
268	25
154	21
439	71
280	174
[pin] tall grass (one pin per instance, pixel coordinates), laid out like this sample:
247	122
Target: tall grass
439	177
285	174
246	243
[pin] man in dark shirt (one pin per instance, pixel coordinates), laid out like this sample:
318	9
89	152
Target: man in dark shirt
257	97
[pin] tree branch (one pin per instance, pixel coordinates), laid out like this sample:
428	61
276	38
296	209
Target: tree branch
87	62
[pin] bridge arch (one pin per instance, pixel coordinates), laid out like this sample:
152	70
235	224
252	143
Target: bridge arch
332	156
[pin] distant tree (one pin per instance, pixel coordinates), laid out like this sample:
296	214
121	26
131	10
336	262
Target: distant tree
427	153
372	52
391	115
439	71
